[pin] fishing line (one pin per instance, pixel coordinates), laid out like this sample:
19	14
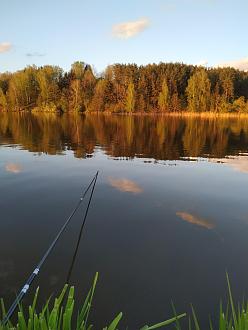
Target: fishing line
38	267
80	233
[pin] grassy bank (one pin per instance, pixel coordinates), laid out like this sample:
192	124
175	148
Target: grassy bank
61	315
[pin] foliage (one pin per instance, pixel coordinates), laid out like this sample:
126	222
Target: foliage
130	100
163	98
240	105
164	87
229	319
3	100
198	91
62	313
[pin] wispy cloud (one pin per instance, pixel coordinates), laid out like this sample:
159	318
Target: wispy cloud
129	29
195	220
202	63
13	168
125	185
5	47
241	64
35	54
168	6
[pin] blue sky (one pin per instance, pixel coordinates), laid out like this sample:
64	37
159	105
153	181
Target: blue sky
104	32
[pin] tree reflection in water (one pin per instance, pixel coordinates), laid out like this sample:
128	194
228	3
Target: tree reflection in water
156	137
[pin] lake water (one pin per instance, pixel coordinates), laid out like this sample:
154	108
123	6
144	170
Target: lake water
169	215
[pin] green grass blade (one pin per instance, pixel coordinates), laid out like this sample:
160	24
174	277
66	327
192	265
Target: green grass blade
115	322
21	321
231	301
164	323
91	298
175	315
197	327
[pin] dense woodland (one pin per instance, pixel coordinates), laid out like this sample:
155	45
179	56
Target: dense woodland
125	88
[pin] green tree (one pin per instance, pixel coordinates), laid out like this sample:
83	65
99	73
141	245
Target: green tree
125	87
22	90
198	91
97	102
130	98
76	95
75	87
216	99
88	85
163	98
81	86
77	70
226	78
48	78
175	104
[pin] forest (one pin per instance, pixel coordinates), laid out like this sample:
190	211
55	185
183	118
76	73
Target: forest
125	88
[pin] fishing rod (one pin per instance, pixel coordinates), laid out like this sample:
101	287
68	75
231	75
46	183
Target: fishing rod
31	278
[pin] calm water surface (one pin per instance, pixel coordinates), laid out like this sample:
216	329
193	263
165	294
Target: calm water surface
169	215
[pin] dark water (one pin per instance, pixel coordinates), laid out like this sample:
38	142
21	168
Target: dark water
169	215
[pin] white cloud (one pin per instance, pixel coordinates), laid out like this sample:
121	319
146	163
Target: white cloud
202	63
241	64
35	54
5	47
130	29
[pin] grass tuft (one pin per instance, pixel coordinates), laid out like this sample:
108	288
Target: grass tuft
62	314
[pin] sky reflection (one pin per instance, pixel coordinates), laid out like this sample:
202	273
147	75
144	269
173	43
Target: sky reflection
153	226
195	220
13	168
125	185
238	163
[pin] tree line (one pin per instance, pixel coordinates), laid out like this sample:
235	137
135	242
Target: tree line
128	88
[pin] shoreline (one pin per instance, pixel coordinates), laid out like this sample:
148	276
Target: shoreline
174	114
141	114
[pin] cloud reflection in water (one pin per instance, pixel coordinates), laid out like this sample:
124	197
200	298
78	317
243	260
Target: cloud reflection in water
195	220
13	168
239	163
125	185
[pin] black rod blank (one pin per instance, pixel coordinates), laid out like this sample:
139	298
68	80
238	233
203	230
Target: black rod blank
80	233
49	250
